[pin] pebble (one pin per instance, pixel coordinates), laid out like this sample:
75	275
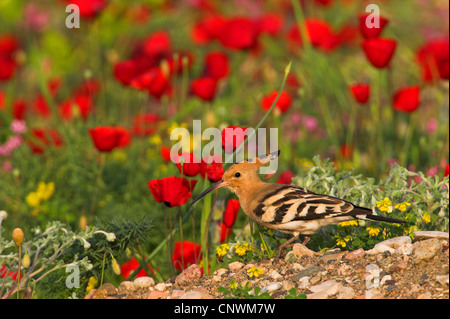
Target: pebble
302	250
187	276
235	265
443	280
374	293
325	290
419	235
157	294
398	245
143	282
272	287
355	254
275	275
346	293
426	249
196	294
126	286
308	272
303	283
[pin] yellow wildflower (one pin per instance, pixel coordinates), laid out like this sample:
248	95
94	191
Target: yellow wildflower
349	223
45	191
254	272
33	199
402	206
92	283
342	241
119	156
233	284
426	218
373	231
242	250
222	250
155	140
385	205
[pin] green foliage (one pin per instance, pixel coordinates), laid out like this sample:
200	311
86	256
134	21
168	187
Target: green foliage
236	291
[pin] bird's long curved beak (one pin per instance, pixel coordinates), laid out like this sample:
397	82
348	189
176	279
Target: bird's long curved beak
210	189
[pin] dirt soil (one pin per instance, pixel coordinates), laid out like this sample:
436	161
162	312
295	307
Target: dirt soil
342	274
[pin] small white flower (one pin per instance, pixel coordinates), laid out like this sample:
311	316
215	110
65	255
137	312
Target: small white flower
3	214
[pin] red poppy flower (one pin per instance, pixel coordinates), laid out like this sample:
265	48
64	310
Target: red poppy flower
361	92
88	88
433	57
320	35
239	34
152	80
19	109
172	191
208	29
231	212
214	172
105	138
216	65
44	137
283	103
379	51
285	177
232	137
324	2
125	71
157	45
407	99
225	232
446	171
125	136
188	164
145	124
204	88
89	8
270	24
8	46
186	253
346	151
127	268
165	153
374	32
5	273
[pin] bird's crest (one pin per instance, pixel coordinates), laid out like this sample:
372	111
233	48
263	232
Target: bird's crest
263	159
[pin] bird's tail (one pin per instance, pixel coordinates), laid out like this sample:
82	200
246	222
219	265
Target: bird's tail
367	214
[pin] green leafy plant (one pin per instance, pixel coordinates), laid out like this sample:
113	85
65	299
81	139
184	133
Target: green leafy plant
237	291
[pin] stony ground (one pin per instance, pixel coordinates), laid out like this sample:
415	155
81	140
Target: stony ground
394	269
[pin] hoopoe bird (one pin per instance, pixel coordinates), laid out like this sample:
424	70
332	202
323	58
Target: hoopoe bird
287	208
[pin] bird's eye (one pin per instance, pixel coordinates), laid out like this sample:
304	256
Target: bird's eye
237	174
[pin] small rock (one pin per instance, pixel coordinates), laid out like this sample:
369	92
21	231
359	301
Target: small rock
314	280
346	293
425	250
330	286
160	286
308	272
220	272
195	295
400	245
215	279
419	235
355	254
426	295
384	279
325	290
126	286
143	282
291	257
187	276
109	288
374	293
301	250
400	266
272	287
303	283
443	280
176	293
275	275
235	266
287	285
157	295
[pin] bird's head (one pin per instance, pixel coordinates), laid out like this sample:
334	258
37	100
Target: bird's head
241	175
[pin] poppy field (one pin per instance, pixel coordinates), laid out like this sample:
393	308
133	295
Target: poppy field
91	94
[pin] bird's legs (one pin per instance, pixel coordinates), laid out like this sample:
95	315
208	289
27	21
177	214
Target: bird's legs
283	246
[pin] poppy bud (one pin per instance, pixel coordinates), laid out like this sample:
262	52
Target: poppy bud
18	236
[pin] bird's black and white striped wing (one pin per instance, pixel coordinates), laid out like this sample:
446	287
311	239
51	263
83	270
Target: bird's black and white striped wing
290	203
